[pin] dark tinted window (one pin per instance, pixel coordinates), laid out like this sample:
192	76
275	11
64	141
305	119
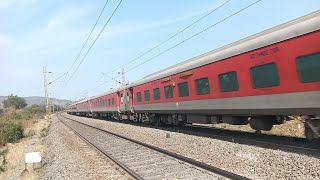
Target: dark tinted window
183	89
112	101
228	82
264	75
309	67
156	93
139	99
168	91
202	86
147	95
109	103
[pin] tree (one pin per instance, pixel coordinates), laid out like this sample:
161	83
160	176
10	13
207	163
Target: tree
15	102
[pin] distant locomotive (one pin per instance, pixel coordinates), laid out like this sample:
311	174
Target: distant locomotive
258	80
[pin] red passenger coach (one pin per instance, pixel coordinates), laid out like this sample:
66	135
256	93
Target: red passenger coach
260	80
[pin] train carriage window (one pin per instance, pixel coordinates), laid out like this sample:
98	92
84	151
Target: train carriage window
202	86
139	99
147	95
168	92
121	99
112	101
183	89
228	82
263	76
156	94
109	102
308	67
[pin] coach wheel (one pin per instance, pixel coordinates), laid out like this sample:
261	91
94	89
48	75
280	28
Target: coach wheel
309	134
261	123
311	131
181	123
155	121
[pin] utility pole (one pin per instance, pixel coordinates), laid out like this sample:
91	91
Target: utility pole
46	90
52	104
123	80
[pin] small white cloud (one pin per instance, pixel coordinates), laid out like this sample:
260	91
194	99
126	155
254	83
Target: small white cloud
7	3
5	40
10	3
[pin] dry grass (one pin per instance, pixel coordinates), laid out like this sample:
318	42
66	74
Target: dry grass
294	127
32	143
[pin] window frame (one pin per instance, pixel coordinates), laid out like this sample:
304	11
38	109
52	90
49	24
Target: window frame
145	93
187	88
252	80
195	83
165	92
237	81
158	94
139	97
297	67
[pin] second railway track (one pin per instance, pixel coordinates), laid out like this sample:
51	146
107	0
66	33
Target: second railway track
145	161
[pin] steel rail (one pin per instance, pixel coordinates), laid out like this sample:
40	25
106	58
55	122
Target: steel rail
123	166
248	140
199	164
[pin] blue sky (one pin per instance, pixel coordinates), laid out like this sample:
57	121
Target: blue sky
36	33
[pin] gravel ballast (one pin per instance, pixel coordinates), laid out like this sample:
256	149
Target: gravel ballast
146	162
69	157
249	161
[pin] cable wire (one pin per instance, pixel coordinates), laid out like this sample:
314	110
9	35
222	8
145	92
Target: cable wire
174	46
94	42
171	37
87	37
200	32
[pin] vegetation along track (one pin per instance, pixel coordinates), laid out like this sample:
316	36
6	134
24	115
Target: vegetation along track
145	161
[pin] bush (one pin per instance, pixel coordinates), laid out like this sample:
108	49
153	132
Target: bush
14	102
10	132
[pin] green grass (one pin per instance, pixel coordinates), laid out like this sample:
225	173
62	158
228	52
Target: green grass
10	131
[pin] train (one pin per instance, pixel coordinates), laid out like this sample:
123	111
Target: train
260	80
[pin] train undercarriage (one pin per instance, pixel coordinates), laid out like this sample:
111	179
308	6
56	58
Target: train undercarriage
258	123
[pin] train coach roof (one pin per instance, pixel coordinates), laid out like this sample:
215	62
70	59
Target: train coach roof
306	24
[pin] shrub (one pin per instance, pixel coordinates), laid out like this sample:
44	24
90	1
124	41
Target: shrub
10	132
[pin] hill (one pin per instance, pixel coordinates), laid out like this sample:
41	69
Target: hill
39	100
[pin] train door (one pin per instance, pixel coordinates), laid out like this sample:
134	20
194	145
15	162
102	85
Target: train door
130	99
124	100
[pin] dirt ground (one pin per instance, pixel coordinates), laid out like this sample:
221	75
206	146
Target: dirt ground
293	127
14	166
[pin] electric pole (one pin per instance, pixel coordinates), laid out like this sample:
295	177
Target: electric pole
123	80
46	90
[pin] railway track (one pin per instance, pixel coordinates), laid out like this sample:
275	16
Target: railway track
144	161
286	143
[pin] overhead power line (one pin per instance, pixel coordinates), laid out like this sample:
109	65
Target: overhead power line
171	37
94	42
87	38
174	46
58	78
200	32
163	42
